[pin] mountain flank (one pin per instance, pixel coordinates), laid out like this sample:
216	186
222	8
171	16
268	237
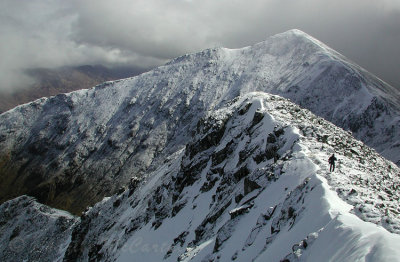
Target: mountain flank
71	150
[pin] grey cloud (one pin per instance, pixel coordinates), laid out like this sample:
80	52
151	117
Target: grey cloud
49	33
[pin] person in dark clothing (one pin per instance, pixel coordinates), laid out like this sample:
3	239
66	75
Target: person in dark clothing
332	160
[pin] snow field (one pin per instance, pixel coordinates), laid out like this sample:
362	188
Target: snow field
323	215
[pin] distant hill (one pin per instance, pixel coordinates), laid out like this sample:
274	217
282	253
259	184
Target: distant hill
63	80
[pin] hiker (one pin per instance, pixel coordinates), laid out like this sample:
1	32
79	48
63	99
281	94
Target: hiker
331	161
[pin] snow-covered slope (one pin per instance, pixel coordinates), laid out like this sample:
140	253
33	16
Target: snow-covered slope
71	150
252	185
33	232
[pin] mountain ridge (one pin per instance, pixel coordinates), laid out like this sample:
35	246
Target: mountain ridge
251	185
49	82
92	141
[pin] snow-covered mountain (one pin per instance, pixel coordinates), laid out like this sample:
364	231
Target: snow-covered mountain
251	185
50	82
70	150
216	164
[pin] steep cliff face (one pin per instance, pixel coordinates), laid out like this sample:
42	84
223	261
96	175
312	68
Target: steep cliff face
71	150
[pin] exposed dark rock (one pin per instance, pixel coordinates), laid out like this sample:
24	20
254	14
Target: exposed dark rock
218	157
76	246
178	240
270	212
241	173
15	233
245	154
272	152
209	184
279	131
200	230
259	158
291	212
275	228
271	138
134	225
210	139
177	207
189	174
95	254
117	203
245	109
133	183
249	186
238	198
121	190
240	210
368	117
258	116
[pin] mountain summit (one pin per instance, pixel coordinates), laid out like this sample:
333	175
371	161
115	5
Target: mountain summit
71	150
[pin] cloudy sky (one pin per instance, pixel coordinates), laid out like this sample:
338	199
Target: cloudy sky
146	33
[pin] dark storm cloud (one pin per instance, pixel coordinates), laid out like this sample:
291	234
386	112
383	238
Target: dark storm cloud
50	33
